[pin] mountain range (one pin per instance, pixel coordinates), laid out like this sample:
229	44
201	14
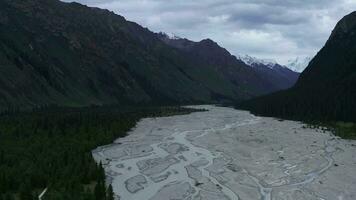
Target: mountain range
326	89
266	77
69	54
271	69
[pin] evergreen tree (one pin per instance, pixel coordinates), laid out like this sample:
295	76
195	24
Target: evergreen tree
2	156
2	183
8	197
25	192
101	172
99	191
42	160
110	193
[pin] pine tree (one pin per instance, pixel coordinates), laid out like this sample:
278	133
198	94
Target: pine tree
2	156
25	192
2	183
99	191
8	197
101	172
110	193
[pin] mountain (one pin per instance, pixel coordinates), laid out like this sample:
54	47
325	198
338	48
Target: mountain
299	63
281	75
253	61
265	78
73	55
326	88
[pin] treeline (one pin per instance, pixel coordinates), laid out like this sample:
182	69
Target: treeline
322	106
51	148
305	105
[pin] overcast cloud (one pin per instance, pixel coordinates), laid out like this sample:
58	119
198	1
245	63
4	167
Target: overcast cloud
274	29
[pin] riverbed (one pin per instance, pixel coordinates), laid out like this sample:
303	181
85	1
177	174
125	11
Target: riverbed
229	154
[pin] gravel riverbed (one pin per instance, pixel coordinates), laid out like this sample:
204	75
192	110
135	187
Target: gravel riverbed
227	154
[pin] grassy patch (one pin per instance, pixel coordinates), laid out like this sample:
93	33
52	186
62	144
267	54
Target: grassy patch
346	130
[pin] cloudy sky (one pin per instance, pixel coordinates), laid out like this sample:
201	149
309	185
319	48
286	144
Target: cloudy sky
274	29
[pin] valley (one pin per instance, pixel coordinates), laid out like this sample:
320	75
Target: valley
228	154
94	101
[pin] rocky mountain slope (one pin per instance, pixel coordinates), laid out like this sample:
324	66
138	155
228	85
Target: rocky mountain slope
69	54
326	88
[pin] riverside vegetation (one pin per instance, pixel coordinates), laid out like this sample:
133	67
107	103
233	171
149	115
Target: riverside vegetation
51	148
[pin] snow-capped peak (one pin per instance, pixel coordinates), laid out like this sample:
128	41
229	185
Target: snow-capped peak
253	61
299	63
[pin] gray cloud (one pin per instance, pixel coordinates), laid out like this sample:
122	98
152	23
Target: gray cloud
275	29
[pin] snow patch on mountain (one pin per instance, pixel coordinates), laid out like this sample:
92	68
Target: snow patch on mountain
253	61
299	63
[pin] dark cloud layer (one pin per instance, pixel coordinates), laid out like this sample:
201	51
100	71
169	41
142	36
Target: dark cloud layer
276	29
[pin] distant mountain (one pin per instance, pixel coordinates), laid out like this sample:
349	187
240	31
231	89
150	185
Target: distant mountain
253	61
280	75
69	54
299	63
263	76
326	88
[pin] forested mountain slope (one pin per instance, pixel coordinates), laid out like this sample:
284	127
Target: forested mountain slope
53	52
326	90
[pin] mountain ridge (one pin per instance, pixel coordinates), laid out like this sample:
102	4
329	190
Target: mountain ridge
69	54
325	91
275	77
